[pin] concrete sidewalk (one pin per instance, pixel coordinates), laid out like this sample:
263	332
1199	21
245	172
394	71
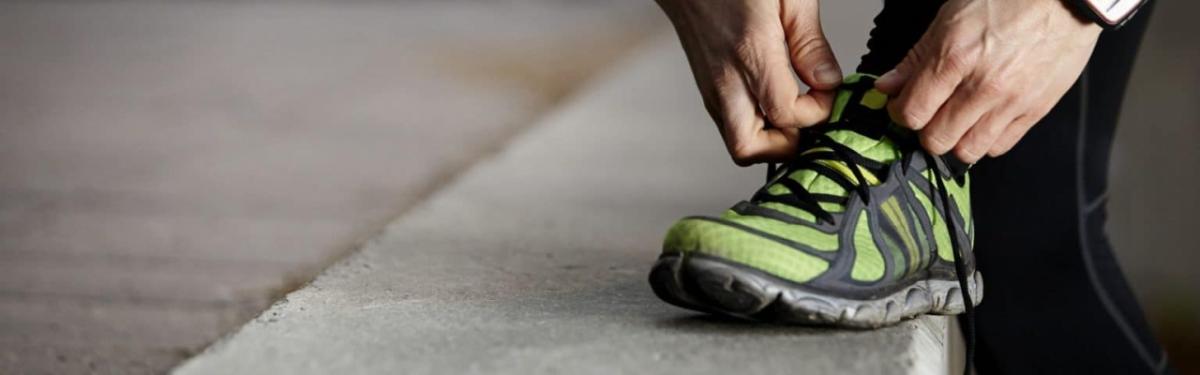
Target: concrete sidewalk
169	169
535	261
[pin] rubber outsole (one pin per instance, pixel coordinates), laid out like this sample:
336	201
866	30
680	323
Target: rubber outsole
720	287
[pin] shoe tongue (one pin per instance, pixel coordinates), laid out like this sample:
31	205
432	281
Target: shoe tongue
858	101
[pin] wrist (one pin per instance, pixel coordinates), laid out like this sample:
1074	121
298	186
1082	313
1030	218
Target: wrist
1074	21
1108	14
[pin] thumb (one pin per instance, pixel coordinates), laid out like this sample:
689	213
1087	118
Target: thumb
810	52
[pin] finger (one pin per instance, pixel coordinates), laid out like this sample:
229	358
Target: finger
893	81
809	109
960	112
1013	133
763	145
744	129
764	62
810	53
925	90
983	135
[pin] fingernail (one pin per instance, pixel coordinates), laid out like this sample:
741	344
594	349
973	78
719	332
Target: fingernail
828	74
887	83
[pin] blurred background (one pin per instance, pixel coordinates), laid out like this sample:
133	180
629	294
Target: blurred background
168	169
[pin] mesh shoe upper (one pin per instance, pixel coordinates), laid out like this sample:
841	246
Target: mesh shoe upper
856	213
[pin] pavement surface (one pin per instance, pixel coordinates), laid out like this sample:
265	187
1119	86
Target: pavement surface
535	261
168	169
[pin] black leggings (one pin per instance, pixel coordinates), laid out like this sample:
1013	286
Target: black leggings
1055	299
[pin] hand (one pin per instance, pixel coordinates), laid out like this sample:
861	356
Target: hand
986	71
745	55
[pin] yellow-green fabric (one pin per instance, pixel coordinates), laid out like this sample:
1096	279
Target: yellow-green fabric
940	235
789	210
868	262
697	236
899	219
815	239
874	99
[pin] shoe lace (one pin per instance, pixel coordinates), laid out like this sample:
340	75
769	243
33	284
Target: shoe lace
818	149
960	271
800	197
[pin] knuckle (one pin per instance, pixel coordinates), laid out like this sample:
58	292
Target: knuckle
808	45
997	150
777	115
956	60
936	143
1040	111
991	134
969	152
916	56
992	87
915	116
747	52
742	160
742	153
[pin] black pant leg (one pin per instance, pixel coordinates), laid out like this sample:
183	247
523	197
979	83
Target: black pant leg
1056	300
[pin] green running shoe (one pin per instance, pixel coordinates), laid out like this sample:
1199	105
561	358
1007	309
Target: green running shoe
862	228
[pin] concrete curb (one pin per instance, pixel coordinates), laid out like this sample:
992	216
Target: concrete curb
535	261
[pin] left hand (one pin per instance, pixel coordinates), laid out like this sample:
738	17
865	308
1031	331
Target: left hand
986	71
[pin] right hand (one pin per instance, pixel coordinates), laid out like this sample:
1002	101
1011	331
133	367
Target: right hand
745	55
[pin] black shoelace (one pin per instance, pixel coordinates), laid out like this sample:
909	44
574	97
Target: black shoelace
810	202
800	197
960	271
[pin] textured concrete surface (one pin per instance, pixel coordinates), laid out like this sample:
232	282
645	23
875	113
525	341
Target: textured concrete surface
535	262
167	169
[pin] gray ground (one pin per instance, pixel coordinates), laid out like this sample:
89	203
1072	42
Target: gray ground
167	169
535	262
